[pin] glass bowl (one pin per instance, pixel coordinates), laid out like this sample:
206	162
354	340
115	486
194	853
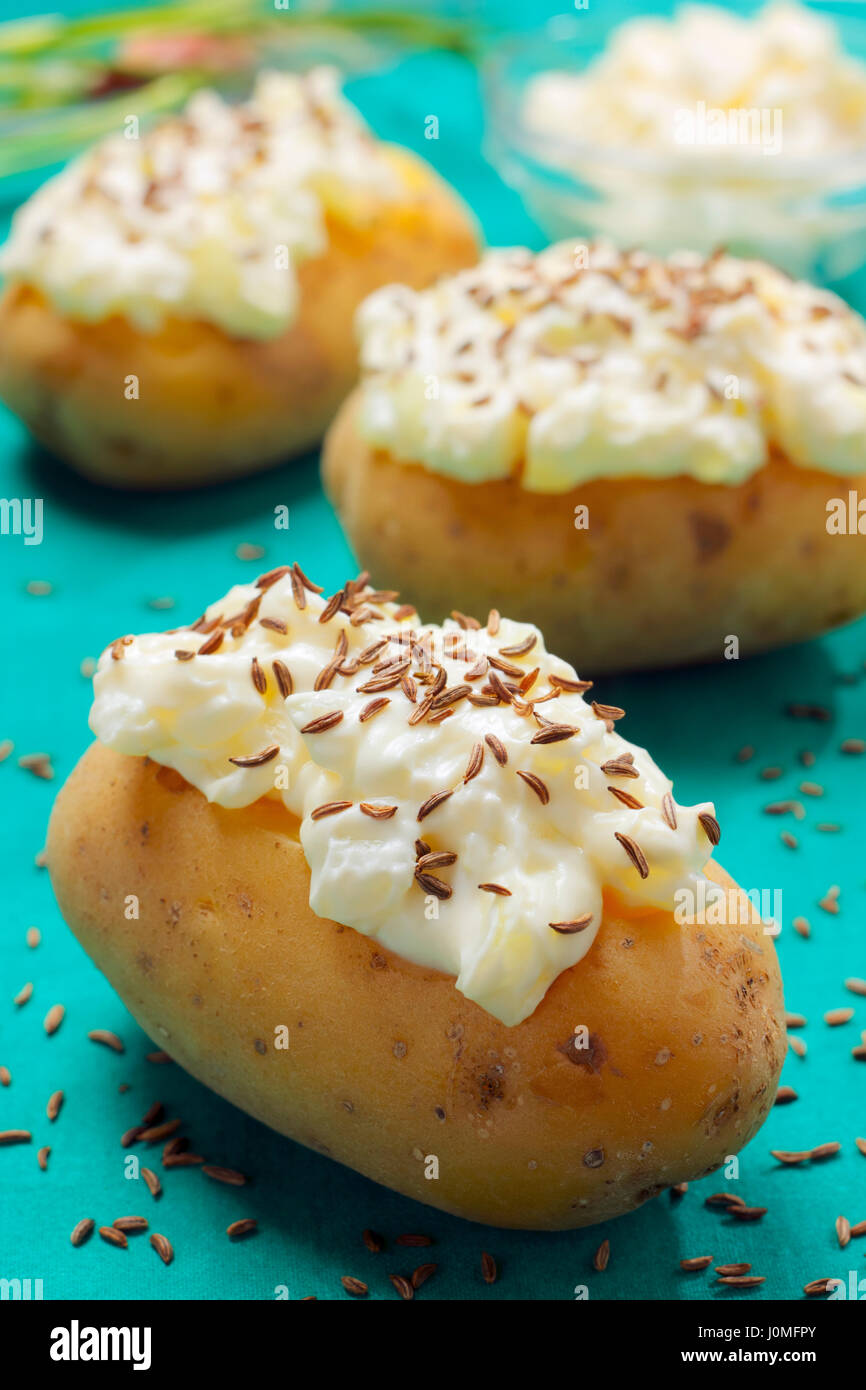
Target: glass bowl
806	215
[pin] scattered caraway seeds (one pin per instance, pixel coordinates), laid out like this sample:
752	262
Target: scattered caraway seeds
819	713
843	1231
724	1199
728	1270
537	786
818	1286
34	936
834	1017
378	812
827	827
23	994
489	1270
830	901
856	986
356	1287
770	774
791	1156
797	1046
162	1247
577	924
14	1136
801	927
793	1020
158	1058
153	1133
790	840
414	1241
422	1274
321	724
742	1281
54	1018
431	803
42	1157
853	745
711	827
268	754
859	1229
39	588
785	1095
497	748
6	747
807	757
226	1175
373	1241
108	1039
330	808
5	1076
633	850
698	1262
601	1258
403	1286
161	604
747	1213
745	754
244	1227
39	764
154	1114
679	1189
245	551
811	789
861	1145
859	1052
83	1231
154	1186
822	1151
113	1237
55	1103
40	860
130	1223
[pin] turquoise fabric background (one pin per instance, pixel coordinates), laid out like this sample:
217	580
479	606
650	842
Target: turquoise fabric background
106	556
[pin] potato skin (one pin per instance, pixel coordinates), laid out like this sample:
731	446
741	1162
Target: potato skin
387	1062
213	406
667	571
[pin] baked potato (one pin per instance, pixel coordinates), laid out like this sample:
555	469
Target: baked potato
658	460
185	401
488	998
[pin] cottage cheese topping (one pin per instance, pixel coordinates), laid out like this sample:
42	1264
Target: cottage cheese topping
584	362
399	742
207	215
654	72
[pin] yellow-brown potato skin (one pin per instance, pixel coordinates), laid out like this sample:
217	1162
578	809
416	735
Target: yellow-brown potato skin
387	1062
666	572
210	405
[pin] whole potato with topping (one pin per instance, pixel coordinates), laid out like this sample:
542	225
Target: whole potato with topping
177	306
650	458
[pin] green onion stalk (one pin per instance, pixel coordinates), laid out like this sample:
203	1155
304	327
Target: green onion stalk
66	82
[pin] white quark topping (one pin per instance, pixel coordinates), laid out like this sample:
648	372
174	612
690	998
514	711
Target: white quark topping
206	215
785	59
457	795
586	362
